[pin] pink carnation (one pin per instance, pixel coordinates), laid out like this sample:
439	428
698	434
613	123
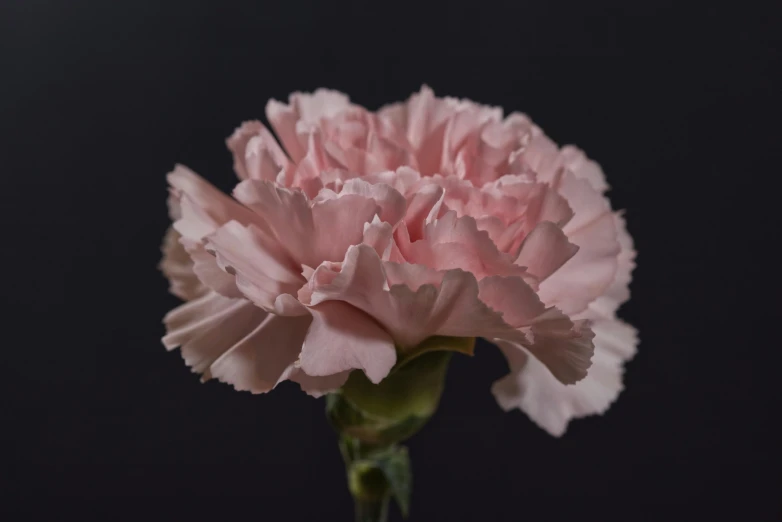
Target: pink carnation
360	234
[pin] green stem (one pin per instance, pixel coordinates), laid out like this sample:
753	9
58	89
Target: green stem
372	510
367	480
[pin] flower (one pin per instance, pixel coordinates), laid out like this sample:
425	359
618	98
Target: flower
361	234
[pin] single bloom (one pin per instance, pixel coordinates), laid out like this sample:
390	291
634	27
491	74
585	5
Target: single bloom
353	236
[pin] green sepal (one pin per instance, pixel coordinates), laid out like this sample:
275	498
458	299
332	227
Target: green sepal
373	418
464	345
397	407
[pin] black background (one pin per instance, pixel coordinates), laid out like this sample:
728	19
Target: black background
680	105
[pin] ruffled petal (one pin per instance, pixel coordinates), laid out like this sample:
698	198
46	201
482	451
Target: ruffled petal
316	386
314	234
262	270
379	235
565	347
579	164
342	338
306	109
283	120
402	179
414	303
207	270
422	208
545	250
619	291
456	242
202	207
424	118
306	173
551	404
392	204
256	153
235	342
257	363
207	327
587	275
177	266
286	213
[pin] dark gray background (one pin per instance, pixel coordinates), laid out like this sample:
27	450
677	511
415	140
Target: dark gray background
100	99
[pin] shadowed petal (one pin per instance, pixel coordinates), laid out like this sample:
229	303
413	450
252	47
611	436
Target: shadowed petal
545	250
262	271
551	404
587	275
258	361
342	338
420	302
177	266
256	153
565	347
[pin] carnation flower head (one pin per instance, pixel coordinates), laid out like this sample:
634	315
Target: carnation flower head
354	236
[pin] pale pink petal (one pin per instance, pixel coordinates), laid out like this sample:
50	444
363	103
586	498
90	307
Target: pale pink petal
235	341
310	235
451	308
551	404
237	144
545	250
513	298
451	242
402	179
424	118
536	202
342	338
392	204
256	153
588	205
339	223
541	156
619	291
507	237
303	108
361	142
174	210
463	139
283	120
425	114
264	159
285	212
177	266
209	272
195	222
563	346
419	302
258	361
286	304
317	386
423	206
208	326
379	235
262	270
203	207
394	115
589	273
577	162
323	103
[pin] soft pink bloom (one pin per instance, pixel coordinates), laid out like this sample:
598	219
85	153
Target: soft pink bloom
360	234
